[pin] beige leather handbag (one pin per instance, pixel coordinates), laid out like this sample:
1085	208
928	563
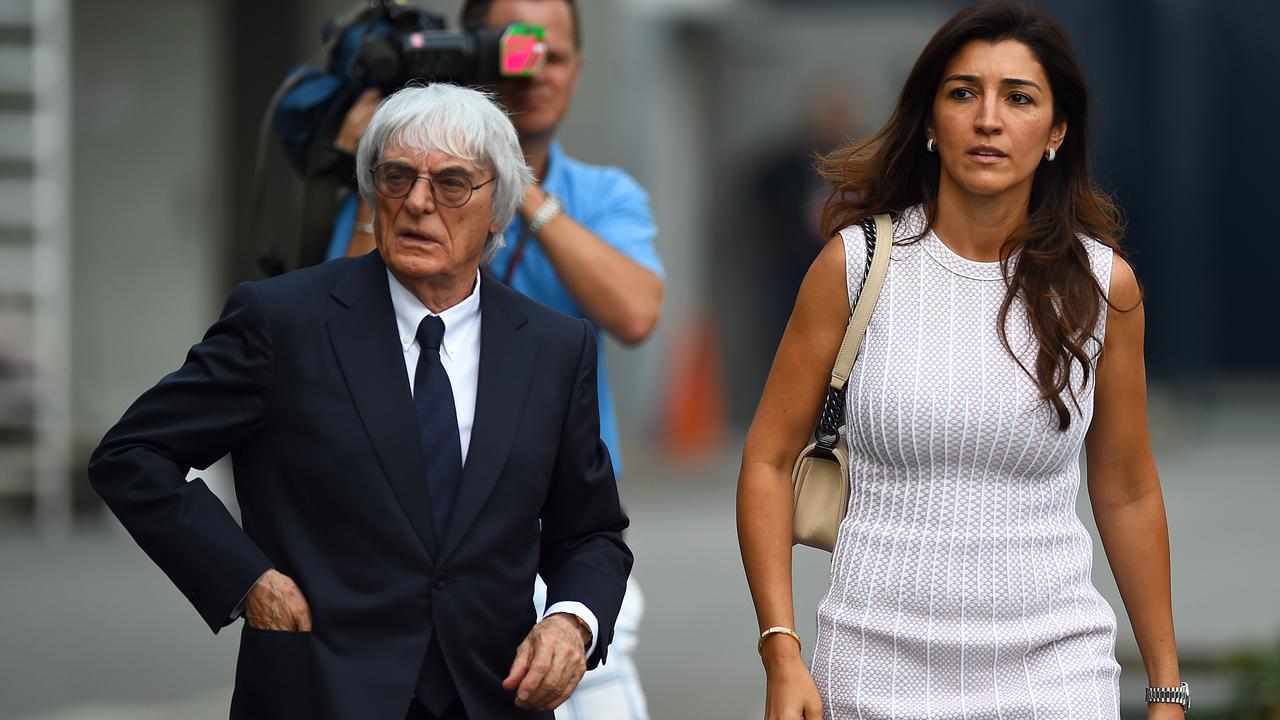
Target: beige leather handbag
820	478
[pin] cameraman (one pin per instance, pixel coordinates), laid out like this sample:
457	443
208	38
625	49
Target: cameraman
582	242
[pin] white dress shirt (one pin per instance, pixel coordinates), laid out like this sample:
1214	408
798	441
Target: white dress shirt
460	356
459	349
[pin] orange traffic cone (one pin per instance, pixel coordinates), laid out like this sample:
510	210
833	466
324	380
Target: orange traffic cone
695	411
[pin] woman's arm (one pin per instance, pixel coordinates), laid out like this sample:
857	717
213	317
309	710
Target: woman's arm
783	422
1124	487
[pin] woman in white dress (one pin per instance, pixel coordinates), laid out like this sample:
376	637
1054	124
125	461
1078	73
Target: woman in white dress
1008	335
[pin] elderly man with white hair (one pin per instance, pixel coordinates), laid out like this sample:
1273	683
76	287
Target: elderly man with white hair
412	443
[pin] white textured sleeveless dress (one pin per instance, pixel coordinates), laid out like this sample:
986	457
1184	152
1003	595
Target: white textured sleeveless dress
960	582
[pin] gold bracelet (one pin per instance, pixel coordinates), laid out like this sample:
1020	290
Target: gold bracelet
776	630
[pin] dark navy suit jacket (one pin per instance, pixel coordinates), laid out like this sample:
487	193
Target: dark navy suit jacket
303	381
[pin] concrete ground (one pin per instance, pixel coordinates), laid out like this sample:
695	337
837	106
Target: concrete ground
90	630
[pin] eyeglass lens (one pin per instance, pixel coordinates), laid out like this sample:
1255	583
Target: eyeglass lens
395	181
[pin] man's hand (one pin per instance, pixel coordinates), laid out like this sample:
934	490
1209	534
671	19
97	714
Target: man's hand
549	663
276	603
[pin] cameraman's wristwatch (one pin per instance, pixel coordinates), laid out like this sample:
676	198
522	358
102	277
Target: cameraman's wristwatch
1180	695
551	208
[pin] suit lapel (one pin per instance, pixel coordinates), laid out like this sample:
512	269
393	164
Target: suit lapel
507	356
365	341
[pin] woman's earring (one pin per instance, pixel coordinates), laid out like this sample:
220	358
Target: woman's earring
931	145
1050	154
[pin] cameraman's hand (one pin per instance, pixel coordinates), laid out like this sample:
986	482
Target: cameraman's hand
357	119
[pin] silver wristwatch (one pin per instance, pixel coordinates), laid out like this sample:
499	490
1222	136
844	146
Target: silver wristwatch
550	210
1180	695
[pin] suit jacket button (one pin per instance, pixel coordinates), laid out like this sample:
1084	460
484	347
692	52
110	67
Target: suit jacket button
440	582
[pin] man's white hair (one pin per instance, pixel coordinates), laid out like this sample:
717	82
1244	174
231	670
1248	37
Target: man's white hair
465	123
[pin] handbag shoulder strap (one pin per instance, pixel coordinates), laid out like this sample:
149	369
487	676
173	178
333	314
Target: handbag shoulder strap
866	304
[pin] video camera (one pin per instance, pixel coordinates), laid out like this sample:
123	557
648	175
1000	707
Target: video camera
385	44
406	43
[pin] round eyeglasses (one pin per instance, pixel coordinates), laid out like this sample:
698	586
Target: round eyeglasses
449	189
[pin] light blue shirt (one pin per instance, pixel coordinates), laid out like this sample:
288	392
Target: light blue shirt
344	223
613	206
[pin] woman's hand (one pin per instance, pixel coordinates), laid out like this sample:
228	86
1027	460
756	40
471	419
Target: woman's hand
791	693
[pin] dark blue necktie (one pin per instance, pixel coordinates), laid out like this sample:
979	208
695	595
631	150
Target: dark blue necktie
442	459
437	424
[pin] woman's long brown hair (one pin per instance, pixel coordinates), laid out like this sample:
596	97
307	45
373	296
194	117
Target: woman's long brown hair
891	171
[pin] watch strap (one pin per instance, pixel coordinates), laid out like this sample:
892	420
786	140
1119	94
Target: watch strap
550	210
1180	695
